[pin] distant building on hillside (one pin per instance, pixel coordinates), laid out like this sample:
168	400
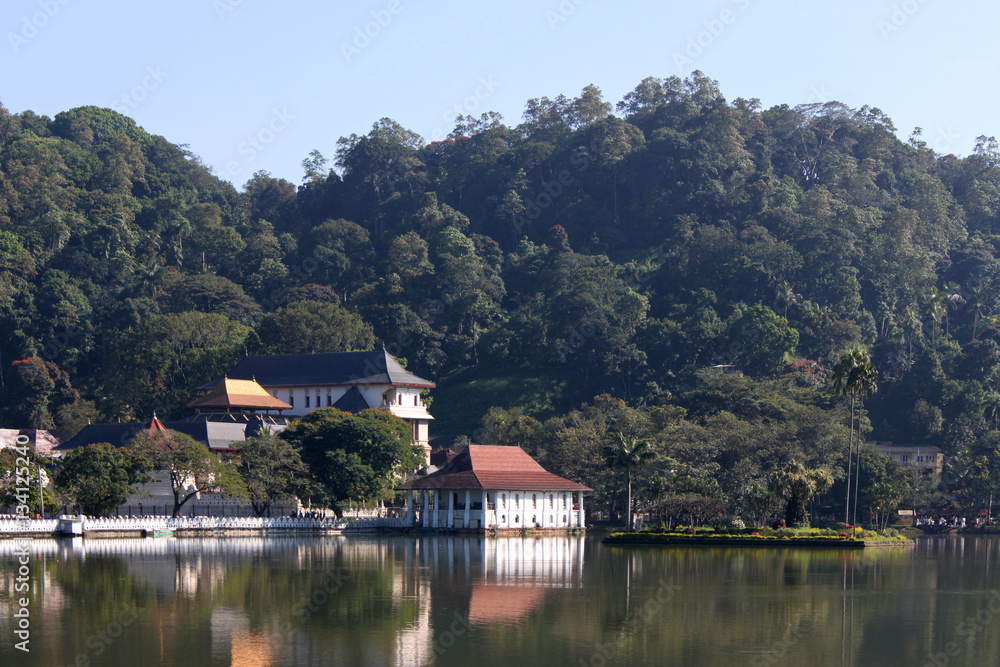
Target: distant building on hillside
491	487
350	381
925	457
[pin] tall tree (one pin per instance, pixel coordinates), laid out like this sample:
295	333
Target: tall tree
628	453
188	465
354	457
272	468
100	477
854	376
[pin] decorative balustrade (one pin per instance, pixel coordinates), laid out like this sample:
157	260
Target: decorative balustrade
374	525
164	523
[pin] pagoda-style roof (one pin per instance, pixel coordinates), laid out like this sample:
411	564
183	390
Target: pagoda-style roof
239	395
493	467
318	370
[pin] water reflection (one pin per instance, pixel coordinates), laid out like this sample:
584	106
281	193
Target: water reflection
474	600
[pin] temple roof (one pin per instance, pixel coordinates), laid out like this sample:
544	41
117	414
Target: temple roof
216	435
329	369
240	394
493	467
352	401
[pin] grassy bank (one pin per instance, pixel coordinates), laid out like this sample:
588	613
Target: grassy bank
780	537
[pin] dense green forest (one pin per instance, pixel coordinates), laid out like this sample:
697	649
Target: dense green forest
563	280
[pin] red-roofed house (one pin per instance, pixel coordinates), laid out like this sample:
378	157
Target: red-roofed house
487	487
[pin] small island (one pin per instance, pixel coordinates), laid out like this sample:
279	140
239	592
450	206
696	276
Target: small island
823	538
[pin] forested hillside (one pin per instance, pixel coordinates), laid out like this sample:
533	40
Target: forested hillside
593	249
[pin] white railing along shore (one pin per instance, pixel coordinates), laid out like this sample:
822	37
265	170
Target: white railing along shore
164	523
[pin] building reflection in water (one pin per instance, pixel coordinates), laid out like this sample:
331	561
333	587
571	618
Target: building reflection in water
410	591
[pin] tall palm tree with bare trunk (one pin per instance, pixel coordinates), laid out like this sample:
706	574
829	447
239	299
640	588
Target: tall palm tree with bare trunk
854	376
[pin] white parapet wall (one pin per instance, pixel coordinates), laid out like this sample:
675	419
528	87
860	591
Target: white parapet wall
164	523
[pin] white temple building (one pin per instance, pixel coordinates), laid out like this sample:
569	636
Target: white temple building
492	487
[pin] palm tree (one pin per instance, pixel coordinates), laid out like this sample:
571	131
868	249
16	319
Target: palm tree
787	295
854	376
977	303
797	486
937	310
991	409
867	383
628	453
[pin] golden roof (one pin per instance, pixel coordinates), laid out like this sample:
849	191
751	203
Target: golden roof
242	394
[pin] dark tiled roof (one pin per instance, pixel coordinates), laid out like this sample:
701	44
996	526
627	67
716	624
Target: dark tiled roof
493	467
352	401
215	435
336	368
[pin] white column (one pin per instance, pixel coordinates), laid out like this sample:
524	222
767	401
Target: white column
541	519
451	509
437	507
579	519
468	507
483	512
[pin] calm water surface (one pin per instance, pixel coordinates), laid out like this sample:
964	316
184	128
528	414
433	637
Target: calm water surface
510	601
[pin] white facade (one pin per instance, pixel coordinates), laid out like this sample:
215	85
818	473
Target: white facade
477	509
402	402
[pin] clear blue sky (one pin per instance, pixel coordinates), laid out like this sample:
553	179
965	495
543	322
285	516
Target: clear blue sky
297	76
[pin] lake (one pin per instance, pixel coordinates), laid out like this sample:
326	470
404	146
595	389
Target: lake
482	601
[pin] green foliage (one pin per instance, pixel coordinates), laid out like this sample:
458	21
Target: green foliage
167	357
272	468
189	465
312	327
354	457
100	477
578	254
37	389
12	486
797	485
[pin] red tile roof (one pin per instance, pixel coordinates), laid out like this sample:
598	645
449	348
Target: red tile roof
494	467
